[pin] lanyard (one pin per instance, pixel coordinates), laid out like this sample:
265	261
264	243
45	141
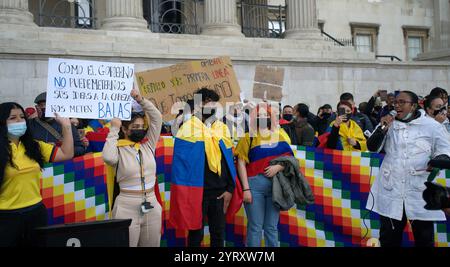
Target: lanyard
141	167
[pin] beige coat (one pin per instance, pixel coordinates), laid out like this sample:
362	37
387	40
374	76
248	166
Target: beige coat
128	170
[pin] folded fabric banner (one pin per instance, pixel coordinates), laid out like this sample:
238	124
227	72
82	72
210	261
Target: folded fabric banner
75	191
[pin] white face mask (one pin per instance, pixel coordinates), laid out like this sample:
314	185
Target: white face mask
409	116
187	117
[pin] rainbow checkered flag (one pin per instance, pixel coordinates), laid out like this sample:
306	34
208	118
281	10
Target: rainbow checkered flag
75	190
341	184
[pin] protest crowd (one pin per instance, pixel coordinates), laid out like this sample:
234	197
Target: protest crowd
227	158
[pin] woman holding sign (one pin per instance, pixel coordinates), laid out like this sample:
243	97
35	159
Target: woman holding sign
21	162
129	148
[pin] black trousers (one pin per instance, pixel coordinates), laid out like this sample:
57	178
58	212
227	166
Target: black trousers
17	226
213	212
391	232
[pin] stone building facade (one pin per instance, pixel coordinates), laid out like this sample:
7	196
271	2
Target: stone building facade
318	69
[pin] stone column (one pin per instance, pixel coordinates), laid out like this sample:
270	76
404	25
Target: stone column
301	21
220	18
441	38
15	12
124	15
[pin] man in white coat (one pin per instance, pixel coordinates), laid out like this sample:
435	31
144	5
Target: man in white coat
409	140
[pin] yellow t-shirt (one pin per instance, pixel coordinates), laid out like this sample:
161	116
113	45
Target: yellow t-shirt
243	147
21	184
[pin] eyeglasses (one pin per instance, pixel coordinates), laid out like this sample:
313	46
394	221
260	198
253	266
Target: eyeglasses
401	103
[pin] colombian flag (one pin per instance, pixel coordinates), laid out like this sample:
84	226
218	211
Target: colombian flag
194	141
259	150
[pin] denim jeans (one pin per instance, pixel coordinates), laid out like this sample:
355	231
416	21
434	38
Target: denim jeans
261	213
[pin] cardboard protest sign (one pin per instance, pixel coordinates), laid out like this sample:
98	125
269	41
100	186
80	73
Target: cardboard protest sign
89	89
268	83
267	91
178	83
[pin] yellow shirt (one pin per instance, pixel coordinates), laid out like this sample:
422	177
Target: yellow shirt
21	184
243	147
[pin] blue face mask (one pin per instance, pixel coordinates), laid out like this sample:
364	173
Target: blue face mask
17	130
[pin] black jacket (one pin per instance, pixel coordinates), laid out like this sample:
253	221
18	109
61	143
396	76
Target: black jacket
41	134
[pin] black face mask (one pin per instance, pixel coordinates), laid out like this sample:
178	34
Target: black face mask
436	112
347	117
288	117
326	116
137	135
263	123
208	112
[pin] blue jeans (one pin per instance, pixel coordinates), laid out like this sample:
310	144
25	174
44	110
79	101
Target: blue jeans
261	214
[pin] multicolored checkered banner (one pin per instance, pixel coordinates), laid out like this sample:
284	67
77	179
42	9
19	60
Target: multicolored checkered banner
75	191
341	183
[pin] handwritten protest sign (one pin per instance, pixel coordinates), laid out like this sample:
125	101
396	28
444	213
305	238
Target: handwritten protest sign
89	89
178	83
268	83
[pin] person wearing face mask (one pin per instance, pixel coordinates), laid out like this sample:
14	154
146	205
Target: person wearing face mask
409	141
344	133
435	108
183	115
264	142
287	115
237	122
46	129
203	178
130	150
323	116
299	130
361	119
442	93
21	161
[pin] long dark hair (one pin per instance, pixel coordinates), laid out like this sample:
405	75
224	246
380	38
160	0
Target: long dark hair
32	149
428	100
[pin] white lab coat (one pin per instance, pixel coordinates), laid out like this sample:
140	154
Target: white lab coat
400	181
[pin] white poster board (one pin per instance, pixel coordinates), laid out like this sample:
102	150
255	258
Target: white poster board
89	89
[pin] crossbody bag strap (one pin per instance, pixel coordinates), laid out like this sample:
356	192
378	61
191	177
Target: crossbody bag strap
50	129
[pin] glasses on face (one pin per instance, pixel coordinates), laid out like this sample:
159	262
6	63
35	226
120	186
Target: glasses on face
401	102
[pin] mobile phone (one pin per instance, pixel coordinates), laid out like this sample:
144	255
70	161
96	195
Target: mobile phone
341	111
81	133
383	95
